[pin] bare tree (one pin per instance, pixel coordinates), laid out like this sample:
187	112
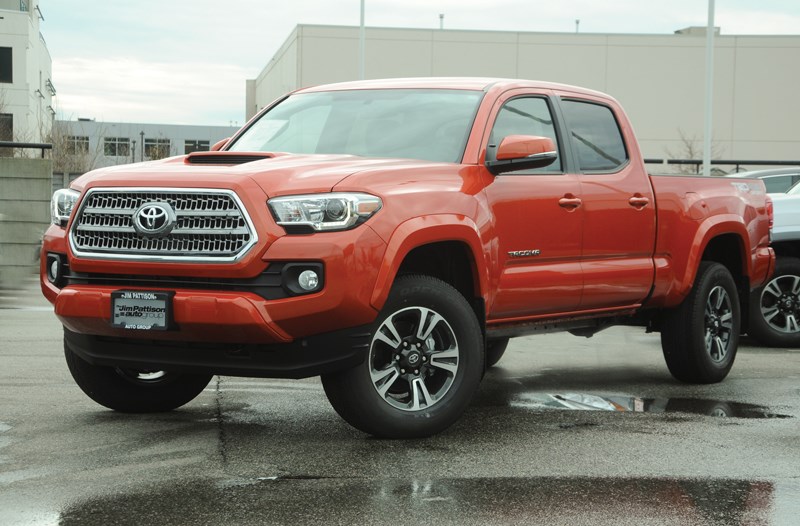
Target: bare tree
71	153
691	148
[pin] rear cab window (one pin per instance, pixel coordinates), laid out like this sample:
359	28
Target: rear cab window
595	136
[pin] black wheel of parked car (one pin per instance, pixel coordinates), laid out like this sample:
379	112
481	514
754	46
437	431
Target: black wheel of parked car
134	390
495	349
775	307
699	338
425	363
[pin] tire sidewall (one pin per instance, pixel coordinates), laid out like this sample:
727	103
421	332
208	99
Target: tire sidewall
711	371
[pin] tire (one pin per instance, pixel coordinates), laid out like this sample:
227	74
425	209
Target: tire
495	349
700	337
424	364
775	307
134	391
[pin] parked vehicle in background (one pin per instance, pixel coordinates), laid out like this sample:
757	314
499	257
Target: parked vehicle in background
777	180
391	236
775	307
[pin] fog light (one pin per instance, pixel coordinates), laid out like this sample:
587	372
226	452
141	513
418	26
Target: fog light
54	270
308	280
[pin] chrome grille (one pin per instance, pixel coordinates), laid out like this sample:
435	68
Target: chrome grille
210	225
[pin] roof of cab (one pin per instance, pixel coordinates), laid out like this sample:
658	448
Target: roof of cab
463	83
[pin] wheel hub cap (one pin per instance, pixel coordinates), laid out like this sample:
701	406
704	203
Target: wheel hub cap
413	359
780	304
718	324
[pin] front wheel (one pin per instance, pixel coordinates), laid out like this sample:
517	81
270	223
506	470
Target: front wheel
700	336
775	307
424	364
495	349
134	390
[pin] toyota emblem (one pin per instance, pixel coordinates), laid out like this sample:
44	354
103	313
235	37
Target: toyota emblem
153	219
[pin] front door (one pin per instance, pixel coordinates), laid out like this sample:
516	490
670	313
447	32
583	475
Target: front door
538	219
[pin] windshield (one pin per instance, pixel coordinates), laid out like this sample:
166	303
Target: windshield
430	124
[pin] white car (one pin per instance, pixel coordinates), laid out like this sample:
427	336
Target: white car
777	180
775	307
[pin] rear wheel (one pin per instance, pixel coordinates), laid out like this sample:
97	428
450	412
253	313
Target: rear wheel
424	365
700	336
134	390
775	307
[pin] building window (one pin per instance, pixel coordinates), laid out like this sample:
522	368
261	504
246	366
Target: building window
6	71
196	146
156	148
77	144
117	147
6	127
23	5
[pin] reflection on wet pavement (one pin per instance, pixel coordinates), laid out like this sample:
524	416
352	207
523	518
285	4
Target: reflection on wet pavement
484	501
623	403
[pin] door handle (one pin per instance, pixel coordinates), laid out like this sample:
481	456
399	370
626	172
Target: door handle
639	201
569	202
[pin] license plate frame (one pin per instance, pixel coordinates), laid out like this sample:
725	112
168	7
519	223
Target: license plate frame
142	310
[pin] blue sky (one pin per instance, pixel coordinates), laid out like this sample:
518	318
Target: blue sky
186	61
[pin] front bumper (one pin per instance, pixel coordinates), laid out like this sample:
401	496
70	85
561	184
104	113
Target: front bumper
227	314
303	358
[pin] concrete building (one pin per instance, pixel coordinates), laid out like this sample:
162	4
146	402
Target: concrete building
659	79
83	145
26	87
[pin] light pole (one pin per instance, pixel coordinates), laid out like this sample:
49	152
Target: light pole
709	90
361	38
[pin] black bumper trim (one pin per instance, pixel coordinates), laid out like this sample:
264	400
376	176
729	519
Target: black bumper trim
321	354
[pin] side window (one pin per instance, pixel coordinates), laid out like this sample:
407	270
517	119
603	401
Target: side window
777	185
595	136
525	116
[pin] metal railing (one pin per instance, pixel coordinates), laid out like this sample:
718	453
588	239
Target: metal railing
697	163
27	145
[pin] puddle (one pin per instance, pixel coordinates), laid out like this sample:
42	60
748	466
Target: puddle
461	501
631	404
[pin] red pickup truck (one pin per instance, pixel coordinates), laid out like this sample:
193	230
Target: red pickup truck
391	236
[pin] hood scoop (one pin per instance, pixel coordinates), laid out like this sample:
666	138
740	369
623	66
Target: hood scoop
227	158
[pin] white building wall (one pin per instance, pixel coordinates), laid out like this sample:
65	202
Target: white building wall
177	135
659	79
27	97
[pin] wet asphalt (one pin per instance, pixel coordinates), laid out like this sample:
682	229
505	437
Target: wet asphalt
565	430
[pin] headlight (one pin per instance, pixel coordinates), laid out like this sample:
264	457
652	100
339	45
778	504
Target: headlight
61	206
323	212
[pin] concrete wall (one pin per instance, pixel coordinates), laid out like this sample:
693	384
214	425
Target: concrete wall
25	190
659	79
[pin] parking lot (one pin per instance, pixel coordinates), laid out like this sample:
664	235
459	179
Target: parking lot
248	451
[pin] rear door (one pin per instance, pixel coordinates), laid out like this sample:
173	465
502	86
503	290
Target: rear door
618	205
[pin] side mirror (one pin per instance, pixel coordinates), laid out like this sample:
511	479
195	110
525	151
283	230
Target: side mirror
218	145
523	152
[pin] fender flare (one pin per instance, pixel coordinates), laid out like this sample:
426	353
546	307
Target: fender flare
424	230
725	224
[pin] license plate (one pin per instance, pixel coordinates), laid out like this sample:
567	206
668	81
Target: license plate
141	310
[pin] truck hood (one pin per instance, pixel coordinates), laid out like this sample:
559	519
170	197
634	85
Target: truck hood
283	174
